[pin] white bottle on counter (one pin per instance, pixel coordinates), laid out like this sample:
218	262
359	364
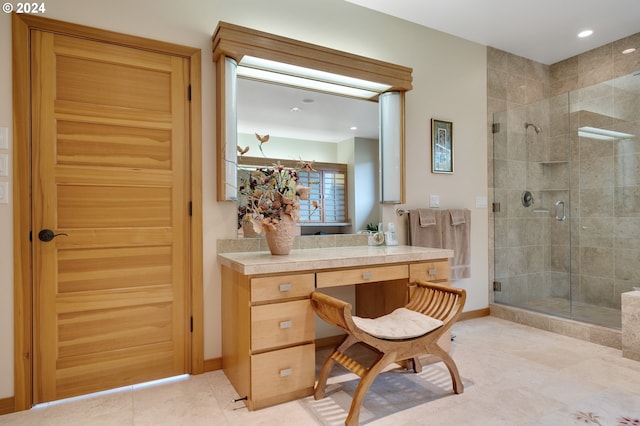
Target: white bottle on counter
390	236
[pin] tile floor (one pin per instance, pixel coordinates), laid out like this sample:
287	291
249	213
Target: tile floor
513	375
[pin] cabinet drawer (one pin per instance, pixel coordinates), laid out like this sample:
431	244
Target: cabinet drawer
282	372
281	324
429	271
361	275
281	287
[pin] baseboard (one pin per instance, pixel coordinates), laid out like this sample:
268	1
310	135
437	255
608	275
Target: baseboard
331	341
7	405
212	364
478	313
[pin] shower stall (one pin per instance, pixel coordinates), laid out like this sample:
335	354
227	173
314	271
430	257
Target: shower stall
567	202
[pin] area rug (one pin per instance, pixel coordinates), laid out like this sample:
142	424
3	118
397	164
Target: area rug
392	391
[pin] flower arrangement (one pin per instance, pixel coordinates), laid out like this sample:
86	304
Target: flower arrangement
269	195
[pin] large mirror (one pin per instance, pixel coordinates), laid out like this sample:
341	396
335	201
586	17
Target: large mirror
321	128
266	108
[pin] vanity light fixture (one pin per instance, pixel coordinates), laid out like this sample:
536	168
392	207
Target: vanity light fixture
585	33
390	146
230	129
293	75
294	81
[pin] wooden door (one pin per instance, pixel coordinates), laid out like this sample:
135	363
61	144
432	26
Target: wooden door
110	178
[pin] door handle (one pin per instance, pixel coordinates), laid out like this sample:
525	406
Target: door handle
47	235
564	216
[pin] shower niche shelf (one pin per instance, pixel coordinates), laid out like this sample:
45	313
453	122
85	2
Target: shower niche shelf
552	162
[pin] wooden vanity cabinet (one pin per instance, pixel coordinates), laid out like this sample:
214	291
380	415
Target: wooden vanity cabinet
268	324
436	271
385	295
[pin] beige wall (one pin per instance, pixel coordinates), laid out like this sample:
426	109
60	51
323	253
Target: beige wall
449	83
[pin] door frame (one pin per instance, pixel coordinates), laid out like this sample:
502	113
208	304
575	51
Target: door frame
22	248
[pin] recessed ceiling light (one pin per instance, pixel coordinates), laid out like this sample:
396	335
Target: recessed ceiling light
585	33
295	109
353	128
629	50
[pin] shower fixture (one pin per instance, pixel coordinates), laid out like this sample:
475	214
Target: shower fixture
538	129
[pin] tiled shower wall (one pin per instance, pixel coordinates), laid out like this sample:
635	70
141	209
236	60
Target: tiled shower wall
605	178
518	252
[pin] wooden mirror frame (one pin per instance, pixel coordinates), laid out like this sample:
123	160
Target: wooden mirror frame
235	42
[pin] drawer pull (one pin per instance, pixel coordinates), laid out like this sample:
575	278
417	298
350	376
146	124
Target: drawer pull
286	372
286	324
367	275
433	272
285	287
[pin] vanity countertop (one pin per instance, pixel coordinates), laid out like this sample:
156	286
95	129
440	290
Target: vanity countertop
263	262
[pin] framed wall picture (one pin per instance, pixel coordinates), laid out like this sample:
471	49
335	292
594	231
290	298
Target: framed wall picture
441	146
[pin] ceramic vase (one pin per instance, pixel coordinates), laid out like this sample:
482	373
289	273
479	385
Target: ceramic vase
280	240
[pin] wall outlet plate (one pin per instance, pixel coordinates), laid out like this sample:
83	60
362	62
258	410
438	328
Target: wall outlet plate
481	202
434	201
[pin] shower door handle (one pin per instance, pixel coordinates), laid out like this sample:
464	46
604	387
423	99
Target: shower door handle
563	216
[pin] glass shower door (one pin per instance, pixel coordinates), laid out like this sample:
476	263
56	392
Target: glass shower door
532	214
567	182
606	188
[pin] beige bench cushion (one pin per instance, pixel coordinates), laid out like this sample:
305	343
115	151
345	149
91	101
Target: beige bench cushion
398	325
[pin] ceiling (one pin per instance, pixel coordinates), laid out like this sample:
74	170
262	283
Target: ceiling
542	30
